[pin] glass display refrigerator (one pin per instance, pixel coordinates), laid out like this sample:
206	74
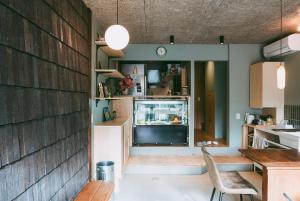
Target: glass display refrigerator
160	122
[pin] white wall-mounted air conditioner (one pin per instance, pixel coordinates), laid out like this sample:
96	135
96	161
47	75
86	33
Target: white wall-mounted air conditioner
290	44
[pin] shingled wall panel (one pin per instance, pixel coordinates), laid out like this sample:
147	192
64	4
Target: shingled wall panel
44	93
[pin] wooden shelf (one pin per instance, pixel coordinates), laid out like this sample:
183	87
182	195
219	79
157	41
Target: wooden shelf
114	98
107	50
111	98
111	73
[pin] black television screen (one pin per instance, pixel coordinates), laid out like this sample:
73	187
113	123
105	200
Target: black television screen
153	76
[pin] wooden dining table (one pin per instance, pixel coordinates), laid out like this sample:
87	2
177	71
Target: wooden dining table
280	172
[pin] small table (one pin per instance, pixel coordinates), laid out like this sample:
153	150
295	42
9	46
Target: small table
281	172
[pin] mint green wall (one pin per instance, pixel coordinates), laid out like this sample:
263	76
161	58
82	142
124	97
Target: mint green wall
240	58
220	89
176	52
97	115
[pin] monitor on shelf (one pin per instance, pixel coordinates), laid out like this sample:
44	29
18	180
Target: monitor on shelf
153	77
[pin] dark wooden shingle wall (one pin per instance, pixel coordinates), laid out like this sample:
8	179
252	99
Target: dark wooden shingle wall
44	94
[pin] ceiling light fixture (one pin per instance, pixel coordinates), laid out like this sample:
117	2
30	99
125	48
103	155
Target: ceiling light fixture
117	36
221	40
281	68
172	39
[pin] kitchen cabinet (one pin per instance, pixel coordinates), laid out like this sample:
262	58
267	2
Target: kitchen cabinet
111	144
124	108
263	86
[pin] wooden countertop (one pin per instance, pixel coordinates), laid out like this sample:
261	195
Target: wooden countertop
161	96
274	158
260	126
115	122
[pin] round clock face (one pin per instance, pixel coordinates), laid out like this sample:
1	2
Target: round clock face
161	51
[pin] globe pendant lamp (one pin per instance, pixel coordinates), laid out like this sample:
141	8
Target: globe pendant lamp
281	68
117	36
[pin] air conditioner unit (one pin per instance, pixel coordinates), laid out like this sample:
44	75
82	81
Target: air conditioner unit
290	44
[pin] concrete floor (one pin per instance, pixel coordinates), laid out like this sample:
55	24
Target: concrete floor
167	188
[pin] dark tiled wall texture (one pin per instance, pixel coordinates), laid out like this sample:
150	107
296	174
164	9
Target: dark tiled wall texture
292	113
44	93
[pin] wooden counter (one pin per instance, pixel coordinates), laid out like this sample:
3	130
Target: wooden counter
274	158
115	122
111	143
281	172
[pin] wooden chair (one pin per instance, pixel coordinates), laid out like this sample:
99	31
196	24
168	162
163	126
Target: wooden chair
227	182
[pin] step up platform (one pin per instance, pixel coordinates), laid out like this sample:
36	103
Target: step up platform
186	161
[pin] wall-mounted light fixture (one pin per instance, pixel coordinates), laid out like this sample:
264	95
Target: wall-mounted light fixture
172	39
221	40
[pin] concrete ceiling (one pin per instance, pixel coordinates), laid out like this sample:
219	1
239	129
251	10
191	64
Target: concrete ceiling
199	21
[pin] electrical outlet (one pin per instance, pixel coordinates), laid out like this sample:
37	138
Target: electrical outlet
238	116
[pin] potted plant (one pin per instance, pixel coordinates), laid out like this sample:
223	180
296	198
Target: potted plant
126	84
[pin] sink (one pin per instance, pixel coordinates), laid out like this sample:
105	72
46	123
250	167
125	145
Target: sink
286	129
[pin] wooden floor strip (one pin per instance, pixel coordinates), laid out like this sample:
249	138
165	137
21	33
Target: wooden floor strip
88	192
104	192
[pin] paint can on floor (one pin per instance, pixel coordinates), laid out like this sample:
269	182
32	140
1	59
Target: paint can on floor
105	171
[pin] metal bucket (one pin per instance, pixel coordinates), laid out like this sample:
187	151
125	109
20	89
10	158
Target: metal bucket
105	171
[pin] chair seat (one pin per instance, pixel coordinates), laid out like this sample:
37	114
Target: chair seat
234	183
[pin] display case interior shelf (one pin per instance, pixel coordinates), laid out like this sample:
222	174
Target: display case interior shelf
107	50
110	73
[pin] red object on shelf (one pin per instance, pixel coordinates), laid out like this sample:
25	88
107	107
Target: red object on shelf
126	83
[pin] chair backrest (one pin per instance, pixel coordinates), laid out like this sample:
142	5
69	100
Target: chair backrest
212	170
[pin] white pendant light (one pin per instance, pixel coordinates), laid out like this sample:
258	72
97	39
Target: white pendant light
281	68
281	77
117	36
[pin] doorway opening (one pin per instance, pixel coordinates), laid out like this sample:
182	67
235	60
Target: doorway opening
211	103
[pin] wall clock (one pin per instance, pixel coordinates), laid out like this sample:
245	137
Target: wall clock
161	51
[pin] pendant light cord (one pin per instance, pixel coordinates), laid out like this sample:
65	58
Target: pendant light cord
117	11
281	29
145	21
